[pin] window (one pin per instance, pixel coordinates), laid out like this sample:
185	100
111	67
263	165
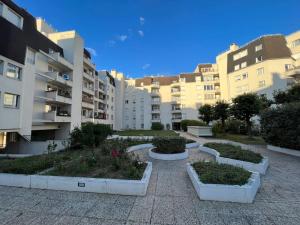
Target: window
14	18
245	76
260	71
242	89
1	64
240	55
209	96
11	100
258	59
126	101
182	79
258	47
30	57
295	43
244	64
198	87
237	67
261	83
286	66
208	87
13	71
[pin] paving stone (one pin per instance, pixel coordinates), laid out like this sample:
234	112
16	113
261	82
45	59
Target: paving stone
23	219
94	221
163	211
78	208
6	215
68	220
234	219
283	220
207	218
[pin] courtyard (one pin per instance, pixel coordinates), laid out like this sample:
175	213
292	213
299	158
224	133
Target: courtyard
170	199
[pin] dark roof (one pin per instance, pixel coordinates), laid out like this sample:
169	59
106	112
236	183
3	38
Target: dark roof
87	53
190	77
162	80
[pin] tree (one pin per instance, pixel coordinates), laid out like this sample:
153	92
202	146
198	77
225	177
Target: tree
291	95
265	102
221	112
246	106
206	113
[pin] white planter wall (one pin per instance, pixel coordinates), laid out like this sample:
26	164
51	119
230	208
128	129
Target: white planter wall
287	151
257	167
228	193
80	184
200	131
192	145
170	157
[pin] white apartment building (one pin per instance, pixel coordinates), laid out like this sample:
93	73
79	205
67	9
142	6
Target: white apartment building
48	83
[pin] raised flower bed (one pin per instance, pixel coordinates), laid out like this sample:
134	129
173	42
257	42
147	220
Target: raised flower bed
236	156
107	169
221	182
169	149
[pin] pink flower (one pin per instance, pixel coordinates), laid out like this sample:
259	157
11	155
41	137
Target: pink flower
115	153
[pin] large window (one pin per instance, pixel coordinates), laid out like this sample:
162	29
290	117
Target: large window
258	47
208	87
13	71
11	100
260	71
296	43
1	65
30	56
240	55
261	83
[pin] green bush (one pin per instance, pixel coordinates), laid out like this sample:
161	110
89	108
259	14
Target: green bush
281	126
234	126
235	152
217	128
185	123
157	126
213	173
290	95
169	145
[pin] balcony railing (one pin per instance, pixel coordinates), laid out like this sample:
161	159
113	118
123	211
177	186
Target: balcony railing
87	100
58	116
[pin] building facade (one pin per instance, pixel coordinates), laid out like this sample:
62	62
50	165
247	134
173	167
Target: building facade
49	84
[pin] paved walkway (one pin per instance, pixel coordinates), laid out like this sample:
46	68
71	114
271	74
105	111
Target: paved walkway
170	199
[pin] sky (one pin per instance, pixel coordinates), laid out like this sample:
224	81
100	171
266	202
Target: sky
165	37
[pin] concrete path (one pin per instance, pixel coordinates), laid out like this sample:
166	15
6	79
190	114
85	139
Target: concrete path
170	199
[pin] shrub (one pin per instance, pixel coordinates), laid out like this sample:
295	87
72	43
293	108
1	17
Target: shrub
157	126
185	123
213	173
206	113
217	128
233	126
169	145
291	95
281	126
235	152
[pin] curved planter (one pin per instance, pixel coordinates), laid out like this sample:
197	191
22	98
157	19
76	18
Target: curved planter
257	167
139	147
192	145
160	156
80	184
287	151
227	193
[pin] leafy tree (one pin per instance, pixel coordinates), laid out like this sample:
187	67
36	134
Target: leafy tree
265	102
221	112
291	95
246	106
206	113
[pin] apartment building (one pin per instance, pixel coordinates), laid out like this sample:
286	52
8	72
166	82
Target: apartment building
48	83
264	65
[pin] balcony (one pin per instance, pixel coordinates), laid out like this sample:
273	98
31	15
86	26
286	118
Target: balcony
176	109
88	90
176	119
155	110
175	84
58	117
89	62
87	102
88	77
155	119
55	96
155	85
57	78
175	92
59	61
85	119
154	93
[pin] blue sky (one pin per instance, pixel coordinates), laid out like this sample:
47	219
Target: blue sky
151	37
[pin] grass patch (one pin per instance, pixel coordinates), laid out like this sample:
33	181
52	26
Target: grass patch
213	173
155	133
245	139
235	152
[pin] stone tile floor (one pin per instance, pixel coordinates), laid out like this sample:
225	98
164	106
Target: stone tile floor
170	199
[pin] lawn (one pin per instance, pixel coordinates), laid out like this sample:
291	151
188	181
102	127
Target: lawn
213	173
110	160
235	152
157	133
245	139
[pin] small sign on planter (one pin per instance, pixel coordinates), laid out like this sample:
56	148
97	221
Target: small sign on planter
81	184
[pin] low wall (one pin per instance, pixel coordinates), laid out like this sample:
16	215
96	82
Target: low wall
32	148
80	184
170	157
287	151
257	167
227	193
130	137
200	131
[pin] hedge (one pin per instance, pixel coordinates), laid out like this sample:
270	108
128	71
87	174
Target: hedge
280	126
157	126
169	145
185	123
